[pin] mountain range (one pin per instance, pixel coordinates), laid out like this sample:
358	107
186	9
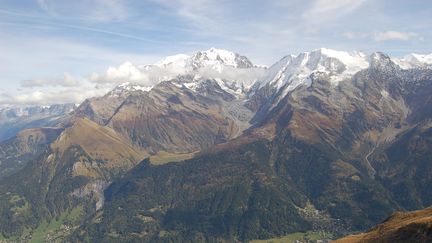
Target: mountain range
15	119
211	147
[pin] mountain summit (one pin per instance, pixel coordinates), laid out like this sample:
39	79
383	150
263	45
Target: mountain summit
209	145
213	58
233	72
238	75
295	70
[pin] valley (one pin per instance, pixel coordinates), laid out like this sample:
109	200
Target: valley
319	145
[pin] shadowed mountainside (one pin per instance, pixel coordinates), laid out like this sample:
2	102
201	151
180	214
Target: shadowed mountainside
287	156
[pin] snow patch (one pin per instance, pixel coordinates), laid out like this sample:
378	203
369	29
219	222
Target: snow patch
384	94
192	86
179	60
292	71
237	72
414	60
216	57
128	87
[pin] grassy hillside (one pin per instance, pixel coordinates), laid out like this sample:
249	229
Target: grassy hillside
401	227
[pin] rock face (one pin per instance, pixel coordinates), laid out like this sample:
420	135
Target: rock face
329	145
344	135
401	227
171	117
197	107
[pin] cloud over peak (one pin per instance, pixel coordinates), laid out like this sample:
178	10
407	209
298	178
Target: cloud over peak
395	35
52	37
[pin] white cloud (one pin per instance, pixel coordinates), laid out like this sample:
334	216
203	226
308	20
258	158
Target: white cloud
355	35
45	57
48	97
93	10
395	35
150	75
43	4
383	36
107	10
263	30
69	89
207	16
67	80
328	9
127	72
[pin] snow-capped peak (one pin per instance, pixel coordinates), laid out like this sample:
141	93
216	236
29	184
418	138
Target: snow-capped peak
353	60
126	87
133	87
217	58
176	60
294	70
414	60
213	58
427	59
233	71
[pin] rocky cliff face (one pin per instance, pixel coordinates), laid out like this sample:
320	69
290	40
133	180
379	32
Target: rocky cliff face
196	109
328	132
331	145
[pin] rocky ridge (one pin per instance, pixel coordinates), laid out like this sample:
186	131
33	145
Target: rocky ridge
322	129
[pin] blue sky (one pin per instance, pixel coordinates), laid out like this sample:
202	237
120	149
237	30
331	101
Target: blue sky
59	43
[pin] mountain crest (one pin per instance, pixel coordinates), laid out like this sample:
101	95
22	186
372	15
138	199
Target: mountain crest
414	60
217	57
383	62
211	58
293	70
